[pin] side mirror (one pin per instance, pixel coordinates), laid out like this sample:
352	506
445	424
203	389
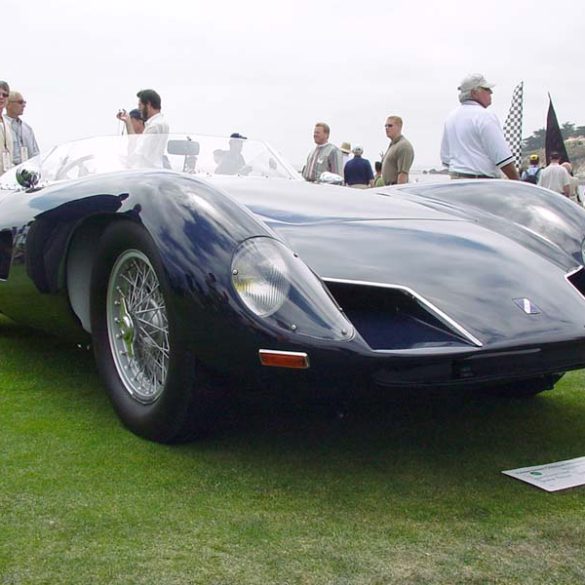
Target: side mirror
28	177
330	178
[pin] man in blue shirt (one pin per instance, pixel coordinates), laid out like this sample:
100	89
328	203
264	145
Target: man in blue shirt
357	172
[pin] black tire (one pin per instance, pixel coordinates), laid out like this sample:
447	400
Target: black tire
524	388
162	398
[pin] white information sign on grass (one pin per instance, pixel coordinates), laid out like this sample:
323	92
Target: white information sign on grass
553	477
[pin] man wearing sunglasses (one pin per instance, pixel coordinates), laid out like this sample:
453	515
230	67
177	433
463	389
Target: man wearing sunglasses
399	156
473	144
5	131
23	138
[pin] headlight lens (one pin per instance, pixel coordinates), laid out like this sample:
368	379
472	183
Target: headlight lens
275	284
260	276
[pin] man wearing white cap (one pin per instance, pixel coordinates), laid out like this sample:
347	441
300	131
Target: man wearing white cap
357	173
473	145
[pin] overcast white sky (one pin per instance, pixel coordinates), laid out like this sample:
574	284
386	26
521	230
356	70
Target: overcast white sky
270	70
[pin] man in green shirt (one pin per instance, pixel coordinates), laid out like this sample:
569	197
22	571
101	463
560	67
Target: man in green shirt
378	179
399	156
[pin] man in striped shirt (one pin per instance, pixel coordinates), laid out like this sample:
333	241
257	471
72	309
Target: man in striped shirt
326	157
23	138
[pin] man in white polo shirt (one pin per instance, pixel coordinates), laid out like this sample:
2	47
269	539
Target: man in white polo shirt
473	145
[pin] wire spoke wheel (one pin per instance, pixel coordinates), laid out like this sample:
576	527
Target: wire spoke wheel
137	325
156	384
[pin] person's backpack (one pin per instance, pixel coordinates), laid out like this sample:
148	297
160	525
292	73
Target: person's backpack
531	175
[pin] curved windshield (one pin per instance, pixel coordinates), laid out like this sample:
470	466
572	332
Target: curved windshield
198	155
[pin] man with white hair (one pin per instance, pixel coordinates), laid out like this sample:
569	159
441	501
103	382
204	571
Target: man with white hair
473	144
23	138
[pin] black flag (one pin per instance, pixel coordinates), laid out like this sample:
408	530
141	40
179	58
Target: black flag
554	139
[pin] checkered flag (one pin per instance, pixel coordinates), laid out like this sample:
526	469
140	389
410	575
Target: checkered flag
513	125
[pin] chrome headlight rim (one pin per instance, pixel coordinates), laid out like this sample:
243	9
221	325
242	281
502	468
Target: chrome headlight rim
300	303
265	295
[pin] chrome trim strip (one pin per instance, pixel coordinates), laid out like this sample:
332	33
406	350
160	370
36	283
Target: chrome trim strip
429	306
571	272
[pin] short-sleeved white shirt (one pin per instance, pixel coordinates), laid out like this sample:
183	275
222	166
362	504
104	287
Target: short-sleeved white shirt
473	142
554	177
150	145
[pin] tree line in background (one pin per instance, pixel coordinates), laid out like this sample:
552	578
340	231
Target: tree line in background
536	141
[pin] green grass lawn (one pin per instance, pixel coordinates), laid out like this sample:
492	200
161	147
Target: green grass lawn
406	489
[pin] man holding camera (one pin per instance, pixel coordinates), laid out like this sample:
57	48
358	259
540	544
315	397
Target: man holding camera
151	148
133	121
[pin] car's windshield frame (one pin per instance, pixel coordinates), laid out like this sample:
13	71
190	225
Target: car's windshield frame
199	155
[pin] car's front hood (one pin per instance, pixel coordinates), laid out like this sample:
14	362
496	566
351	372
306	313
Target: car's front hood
472	273
298	202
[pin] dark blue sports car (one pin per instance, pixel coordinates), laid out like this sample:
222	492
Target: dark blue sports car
211	259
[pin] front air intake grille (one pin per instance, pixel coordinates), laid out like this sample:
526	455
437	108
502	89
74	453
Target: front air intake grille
392	318
577	279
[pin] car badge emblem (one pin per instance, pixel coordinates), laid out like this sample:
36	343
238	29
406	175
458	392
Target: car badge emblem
527	306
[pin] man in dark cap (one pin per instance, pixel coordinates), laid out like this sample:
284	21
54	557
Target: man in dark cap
133	121
231	161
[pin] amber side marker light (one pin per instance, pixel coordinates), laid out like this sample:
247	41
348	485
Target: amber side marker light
283	359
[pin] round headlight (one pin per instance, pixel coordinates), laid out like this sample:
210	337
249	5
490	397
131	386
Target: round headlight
260	275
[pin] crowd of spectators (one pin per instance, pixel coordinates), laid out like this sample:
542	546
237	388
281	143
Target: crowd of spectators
472	147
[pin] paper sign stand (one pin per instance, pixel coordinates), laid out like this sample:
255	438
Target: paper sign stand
552	477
